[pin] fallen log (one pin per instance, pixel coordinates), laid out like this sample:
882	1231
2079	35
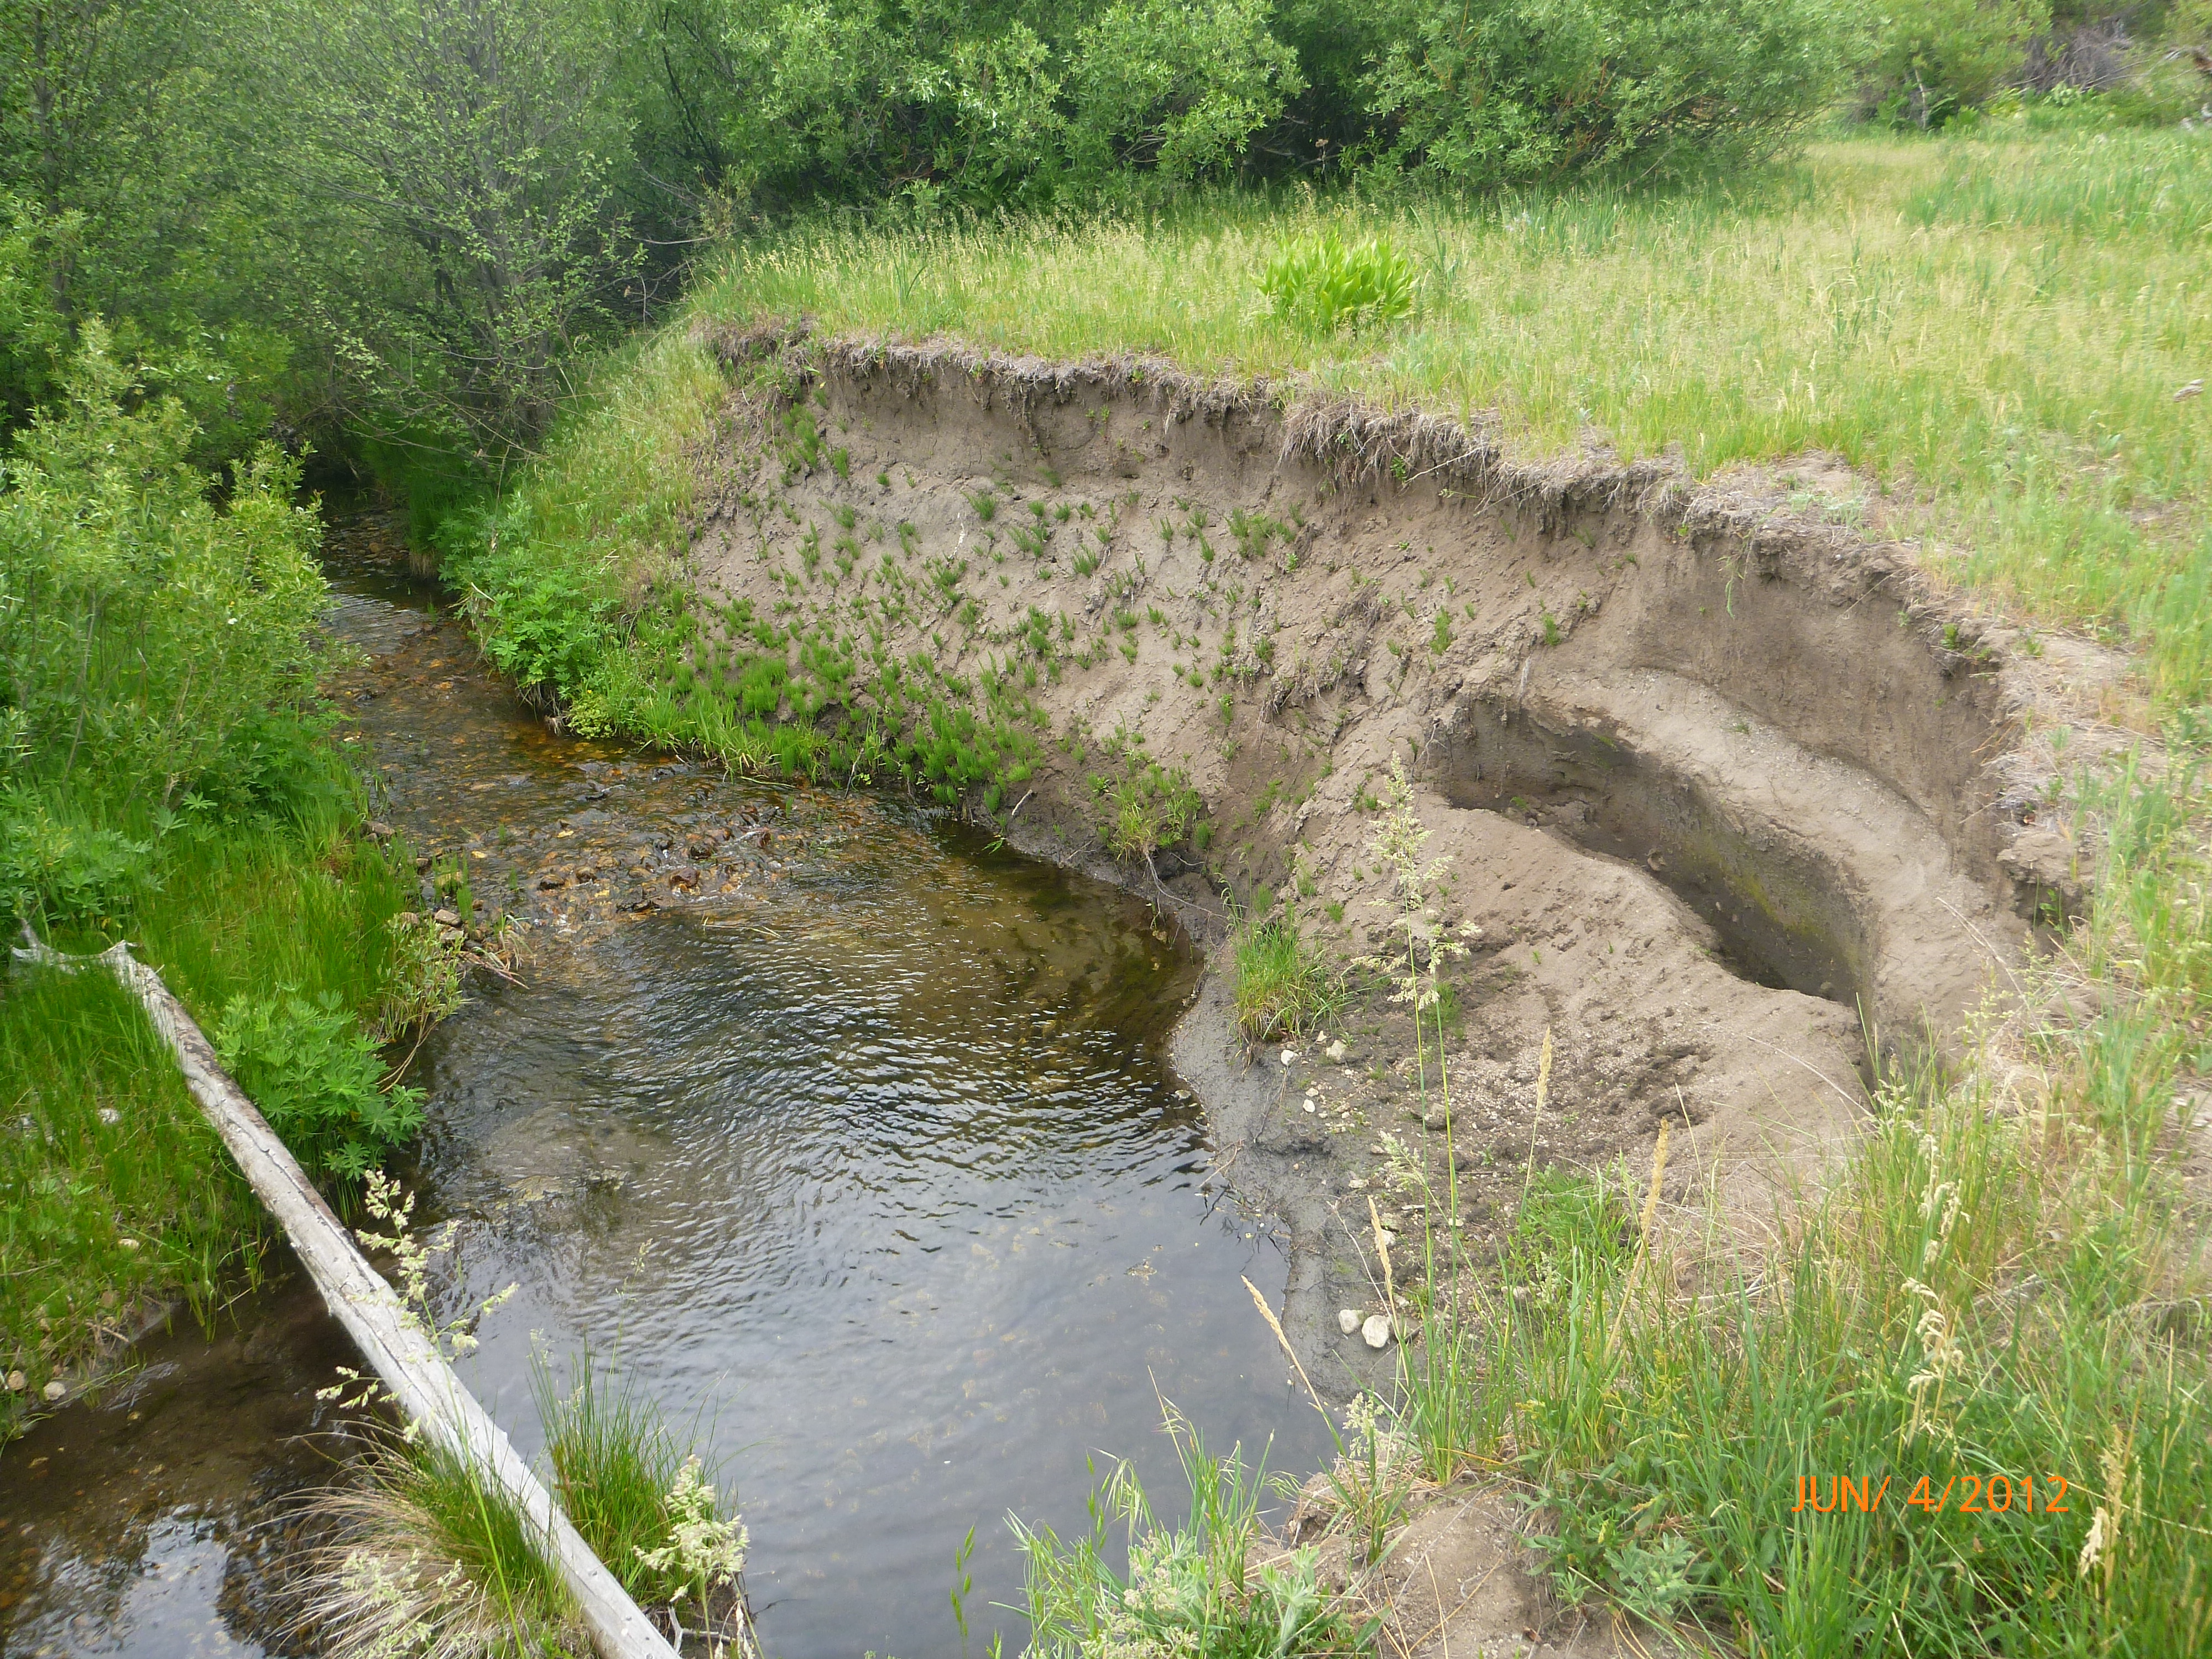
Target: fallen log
390	1339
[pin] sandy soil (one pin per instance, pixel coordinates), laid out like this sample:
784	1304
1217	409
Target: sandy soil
1730	793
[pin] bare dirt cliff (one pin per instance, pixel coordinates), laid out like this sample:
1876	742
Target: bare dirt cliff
1728	793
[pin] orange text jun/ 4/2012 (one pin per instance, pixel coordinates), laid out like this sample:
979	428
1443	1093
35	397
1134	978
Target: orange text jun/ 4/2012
1956	1494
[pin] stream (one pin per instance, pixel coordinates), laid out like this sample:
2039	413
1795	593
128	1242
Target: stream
844	1135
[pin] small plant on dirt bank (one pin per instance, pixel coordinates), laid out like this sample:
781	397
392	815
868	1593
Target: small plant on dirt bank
1284	987
1213	1587
1146	805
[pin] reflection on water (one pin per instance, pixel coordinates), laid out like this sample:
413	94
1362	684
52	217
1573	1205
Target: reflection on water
847	1137
148	1524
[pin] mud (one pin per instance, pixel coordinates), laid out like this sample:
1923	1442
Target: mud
1732	796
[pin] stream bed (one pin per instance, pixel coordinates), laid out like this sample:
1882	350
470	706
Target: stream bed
845	1135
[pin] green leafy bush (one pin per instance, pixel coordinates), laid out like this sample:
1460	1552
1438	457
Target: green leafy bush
57	868
141	624
546	623
1934	59
1021	101
315	1075
1528	90
1323	283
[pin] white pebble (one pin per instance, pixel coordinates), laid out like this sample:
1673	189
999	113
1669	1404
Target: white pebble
1347	1320
1376	1330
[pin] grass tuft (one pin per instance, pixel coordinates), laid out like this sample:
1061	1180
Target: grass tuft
427	1560
1215	1585
1283	985
641	1501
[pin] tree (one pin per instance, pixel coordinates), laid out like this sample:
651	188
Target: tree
473	142
1935	57
1521	90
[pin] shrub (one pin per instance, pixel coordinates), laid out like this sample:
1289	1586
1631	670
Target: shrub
138	623
1324	283
1526	90
56	868
1935	58
315	1075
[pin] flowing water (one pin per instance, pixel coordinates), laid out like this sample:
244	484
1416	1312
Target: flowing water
844	1135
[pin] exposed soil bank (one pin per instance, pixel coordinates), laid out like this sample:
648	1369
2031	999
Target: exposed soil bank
1714	772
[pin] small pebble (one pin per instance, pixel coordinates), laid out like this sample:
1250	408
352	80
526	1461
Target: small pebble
1347	1320
17	1382
1376	1330
56	1389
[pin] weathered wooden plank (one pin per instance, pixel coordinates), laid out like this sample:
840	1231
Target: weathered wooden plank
394	1344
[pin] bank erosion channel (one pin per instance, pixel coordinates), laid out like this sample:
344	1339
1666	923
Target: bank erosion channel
846	1136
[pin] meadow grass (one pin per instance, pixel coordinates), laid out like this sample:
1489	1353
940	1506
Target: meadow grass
114	1191
1994	327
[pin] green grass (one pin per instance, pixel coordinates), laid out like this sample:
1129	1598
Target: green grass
641	1501
111	1146
114	1192
427	1558
1284	987
1213	1585
613	1463
1994	327
306	905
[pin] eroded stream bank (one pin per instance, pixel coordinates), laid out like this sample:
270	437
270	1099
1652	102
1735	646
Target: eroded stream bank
849	1136
1728	793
